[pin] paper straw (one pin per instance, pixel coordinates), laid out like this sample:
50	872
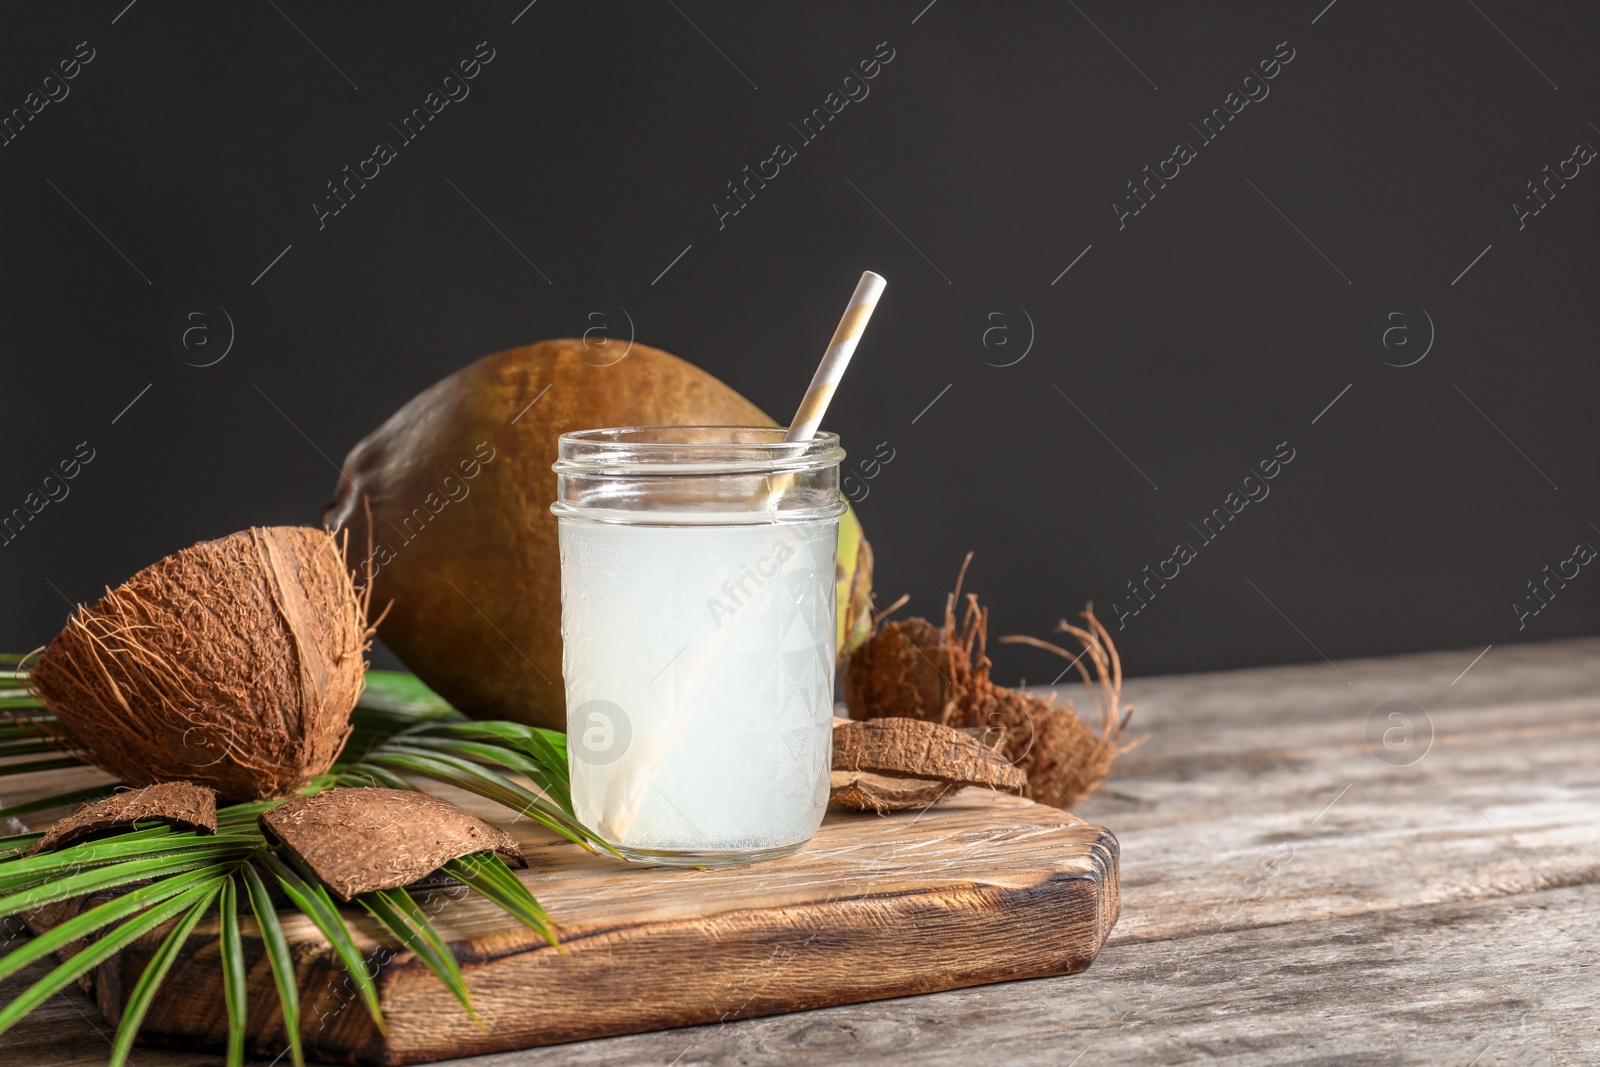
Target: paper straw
803	427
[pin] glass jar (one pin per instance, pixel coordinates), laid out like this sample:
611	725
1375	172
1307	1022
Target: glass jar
697	621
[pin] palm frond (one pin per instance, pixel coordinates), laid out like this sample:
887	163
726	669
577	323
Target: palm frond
25	870
394	701
549	747
243	814
98	951
468	775
557	787
277	952
16	844
22	746
488	874
114	875
157	874
404	694
55	764
399	914
356	775
313	901
144	990
139	843
103	915
398	717
235	994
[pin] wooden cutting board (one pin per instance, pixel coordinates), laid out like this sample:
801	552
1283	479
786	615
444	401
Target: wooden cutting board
982	888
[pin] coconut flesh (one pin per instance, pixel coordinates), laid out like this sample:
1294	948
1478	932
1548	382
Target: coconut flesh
234	664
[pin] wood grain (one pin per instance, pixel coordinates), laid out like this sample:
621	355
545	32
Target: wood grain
1440	913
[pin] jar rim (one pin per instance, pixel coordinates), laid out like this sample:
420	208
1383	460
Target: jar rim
700	449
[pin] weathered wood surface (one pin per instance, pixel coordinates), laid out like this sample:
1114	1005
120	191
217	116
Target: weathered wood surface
1442	912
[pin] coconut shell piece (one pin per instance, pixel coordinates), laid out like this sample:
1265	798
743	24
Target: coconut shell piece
179	804
357	840
940	674
865	791
233	663
914	748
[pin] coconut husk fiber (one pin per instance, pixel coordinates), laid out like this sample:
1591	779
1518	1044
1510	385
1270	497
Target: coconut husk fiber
361	839
182	805
234	664
940	673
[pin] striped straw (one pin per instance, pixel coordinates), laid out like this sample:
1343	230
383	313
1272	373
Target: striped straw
854	323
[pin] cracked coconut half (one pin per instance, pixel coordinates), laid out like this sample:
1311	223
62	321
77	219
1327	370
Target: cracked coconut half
233	664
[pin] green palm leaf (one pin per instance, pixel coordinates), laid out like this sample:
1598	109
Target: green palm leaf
277	952
144	990
397	716
98	952
55	764
235	993
398	912
404	695
400	727
488	874
512	759
114	875
313	900
356	775
102	915
243	815
547	746
23	746
137	844
465	774
394	701
15	845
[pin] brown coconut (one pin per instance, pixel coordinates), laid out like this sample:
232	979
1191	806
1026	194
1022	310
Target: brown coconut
918	670
453	494
234	663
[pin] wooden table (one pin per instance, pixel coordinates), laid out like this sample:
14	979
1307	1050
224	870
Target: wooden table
1292	892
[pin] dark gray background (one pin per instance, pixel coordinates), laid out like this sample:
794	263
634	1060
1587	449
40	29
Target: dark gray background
1222	320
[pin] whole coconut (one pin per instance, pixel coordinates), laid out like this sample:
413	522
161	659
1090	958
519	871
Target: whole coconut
233	663
457	486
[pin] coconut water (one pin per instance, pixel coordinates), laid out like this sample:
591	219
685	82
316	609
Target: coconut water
699	664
